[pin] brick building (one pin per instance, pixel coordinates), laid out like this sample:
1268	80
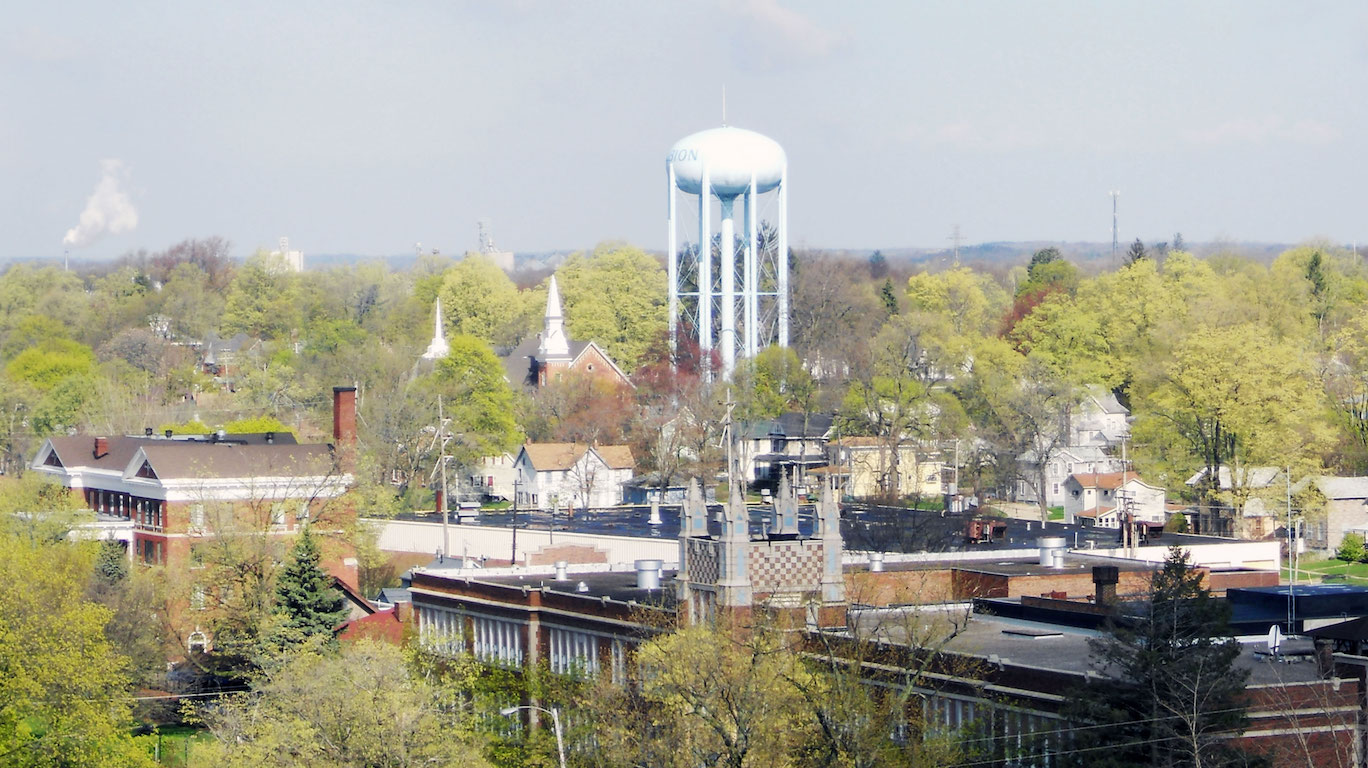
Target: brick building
159	494
551	353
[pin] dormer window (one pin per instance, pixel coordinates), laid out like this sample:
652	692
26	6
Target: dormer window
53	461
146	471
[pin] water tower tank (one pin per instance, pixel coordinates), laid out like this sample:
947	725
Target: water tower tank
732	155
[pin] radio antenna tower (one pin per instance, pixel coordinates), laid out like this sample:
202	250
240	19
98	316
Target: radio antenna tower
956	239
1115	243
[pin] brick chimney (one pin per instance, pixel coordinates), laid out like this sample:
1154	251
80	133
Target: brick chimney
101	447
1105	578
344	416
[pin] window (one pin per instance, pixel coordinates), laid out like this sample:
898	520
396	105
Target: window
572	652
146	471
303	514
441	629
497	640
197	597
278	515
52	460
197	516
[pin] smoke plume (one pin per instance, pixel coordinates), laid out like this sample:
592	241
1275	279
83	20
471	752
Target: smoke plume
108	211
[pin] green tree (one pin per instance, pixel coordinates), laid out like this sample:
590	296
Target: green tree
261	300
44	366
354	708
63	687
309	605
477	397
1231	397
1176	694
1137	252
1350	548
615	296
900	399
481	301
773	383
878	265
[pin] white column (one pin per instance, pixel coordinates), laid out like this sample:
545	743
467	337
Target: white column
782	259
752	288
705	273
726	338
673	264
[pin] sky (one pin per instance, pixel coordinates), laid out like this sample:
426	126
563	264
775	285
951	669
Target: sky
368	127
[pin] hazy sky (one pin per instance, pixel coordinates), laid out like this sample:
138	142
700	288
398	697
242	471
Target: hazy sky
364	127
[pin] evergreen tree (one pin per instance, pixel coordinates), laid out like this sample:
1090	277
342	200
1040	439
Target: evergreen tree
1171	695
888	297
1137	252
878	265
306	600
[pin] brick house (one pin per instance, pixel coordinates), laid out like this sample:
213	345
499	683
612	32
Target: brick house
551	353
159	494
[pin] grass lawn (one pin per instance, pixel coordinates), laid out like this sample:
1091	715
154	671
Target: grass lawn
1056	513
179	745
1352	572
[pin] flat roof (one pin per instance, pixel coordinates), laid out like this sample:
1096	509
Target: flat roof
1056	647
865	528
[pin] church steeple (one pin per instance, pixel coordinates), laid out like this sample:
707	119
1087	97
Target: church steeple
438	347
555	344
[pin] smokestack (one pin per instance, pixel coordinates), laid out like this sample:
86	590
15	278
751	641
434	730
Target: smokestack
1105	578
344	416
101	447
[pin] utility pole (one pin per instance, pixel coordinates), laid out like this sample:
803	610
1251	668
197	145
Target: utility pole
513	558
1116	243
446	500
956	239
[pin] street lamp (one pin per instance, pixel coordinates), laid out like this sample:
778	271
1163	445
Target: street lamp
554	712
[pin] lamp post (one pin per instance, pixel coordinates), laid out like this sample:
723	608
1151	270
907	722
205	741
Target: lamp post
554	712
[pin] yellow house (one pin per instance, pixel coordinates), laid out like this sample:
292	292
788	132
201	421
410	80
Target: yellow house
866	464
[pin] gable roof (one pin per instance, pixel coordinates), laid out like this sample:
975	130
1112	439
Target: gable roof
616	456
552	457
1339	488
1109	481
558	457
1245	477
790	425
229	460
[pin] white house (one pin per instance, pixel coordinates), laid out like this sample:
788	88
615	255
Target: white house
1100	420
494	475
1073	460
556	475
789	445
1099	499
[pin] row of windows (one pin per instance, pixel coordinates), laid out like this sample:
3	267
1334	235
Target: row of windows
572	651
501	641
442	630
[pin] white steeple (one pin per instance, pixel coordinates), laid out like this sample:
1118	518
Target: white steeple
555	345
438	347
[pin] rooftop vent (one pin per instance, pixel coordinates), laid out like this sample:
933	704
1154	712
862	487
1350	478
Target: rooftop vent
562	569
583	587
648	573
876	562
1052	550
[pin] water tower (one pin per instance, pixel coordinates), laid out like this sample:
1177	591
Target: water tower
720	166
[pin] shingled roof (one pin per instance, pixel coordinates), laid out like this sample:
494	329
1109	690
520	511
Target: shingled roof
562	456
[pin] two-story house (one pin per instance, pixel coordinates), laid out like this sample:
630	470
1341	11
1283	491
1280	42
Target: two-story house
556	475
161	494
1102	499
789	445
